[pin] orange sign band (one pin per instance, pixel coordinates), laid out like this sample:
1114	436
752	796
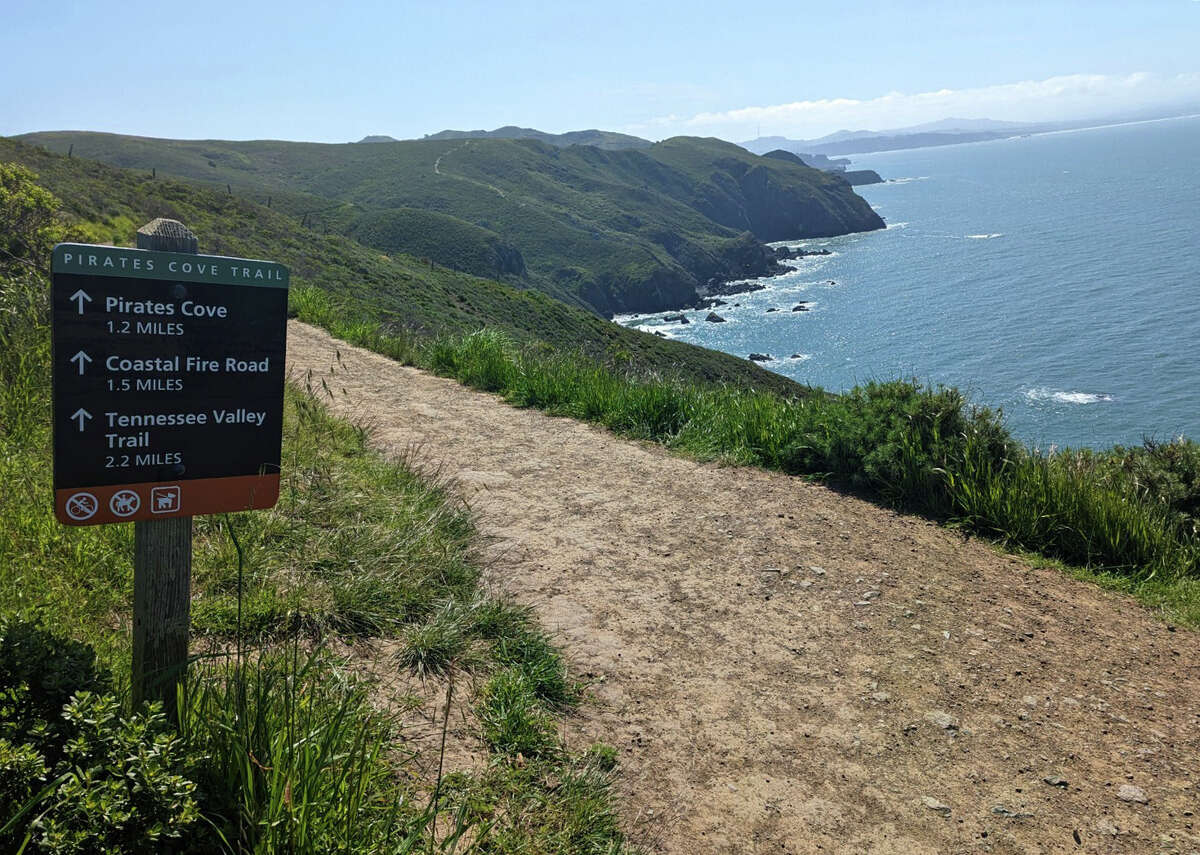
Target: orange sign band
156	500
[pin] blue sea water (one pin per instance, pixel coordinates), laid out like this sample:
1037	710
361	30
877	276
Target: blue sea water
1055	276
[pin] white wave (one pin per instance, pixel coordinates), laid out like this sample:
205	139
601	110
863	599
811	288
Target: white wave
1042	394
907	180
985	237
897	225
659	329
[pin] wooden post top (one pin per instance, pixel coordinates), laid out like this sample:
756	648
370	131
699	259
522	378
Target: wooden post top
167	236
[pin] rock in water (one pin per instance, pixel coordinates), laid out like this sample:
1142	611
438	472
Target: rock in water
714	318
760	357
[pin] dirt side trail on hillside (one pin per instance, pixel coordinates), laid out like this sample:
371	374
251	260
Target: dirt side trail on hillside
785	669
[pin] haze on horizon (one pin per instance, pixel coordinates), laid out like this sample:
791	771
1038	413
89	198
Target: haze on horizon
300	71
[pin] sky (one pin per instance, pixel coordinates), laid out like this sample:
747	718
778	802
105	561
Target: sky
335	72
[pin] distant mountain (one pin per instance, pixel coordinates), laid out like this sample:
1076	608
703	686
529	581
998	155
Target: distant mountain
609	140
959	126
942	132
378	138
844	136
612	230
892	142
951	131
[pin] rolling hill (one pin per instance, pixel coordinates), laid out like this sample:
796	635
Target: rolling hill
609	230
399	291
593	137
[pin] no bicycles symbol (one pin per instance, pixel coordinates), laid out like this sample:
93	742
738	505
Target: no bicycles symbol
82	506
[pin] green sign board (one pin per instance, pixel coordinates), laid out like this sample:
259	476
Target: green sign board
168	383
90	260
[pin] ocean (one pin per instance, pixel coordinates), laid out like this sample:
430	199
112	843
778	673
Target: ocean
1055	277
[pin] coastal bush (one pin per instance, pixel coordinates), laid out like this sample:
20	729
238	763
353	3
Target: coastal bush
1059	505
30	223
386	298
77	773
39	672
121	789
1167	473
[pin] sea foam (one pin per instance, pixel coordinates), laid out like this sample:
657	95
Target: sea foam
1042	394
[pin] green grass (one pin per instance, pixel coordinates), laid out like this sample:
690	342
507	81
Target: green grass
278	747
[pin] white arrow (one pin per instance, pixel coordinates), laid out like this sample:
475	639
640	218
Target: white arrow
79	296
82	415
81	358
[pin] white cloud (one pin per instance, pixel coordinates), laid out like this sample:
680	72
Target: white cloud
1073	96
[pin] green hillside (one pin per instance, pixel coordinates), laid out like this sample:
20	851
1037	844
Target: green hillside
599	139
404	293
613	230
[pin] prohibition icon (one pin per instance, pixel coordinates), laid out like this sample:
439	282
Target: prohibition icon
124	503
82	506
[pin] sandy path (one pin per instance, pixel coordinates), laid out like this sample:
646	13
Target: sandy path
785	669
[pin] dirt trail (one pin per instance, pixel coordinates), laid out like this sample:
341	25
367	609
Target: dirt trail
785	669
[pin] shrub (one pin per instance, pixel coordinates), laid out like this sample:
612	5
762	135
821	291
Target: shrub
39	672
1166	473
29	221
77	775
122	792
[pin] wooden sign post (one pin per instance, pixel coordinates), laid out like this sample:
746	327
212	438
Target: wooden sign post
162	557
168	403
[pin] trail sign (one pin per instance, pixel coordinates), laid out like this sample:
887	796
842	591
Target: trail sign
168	383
